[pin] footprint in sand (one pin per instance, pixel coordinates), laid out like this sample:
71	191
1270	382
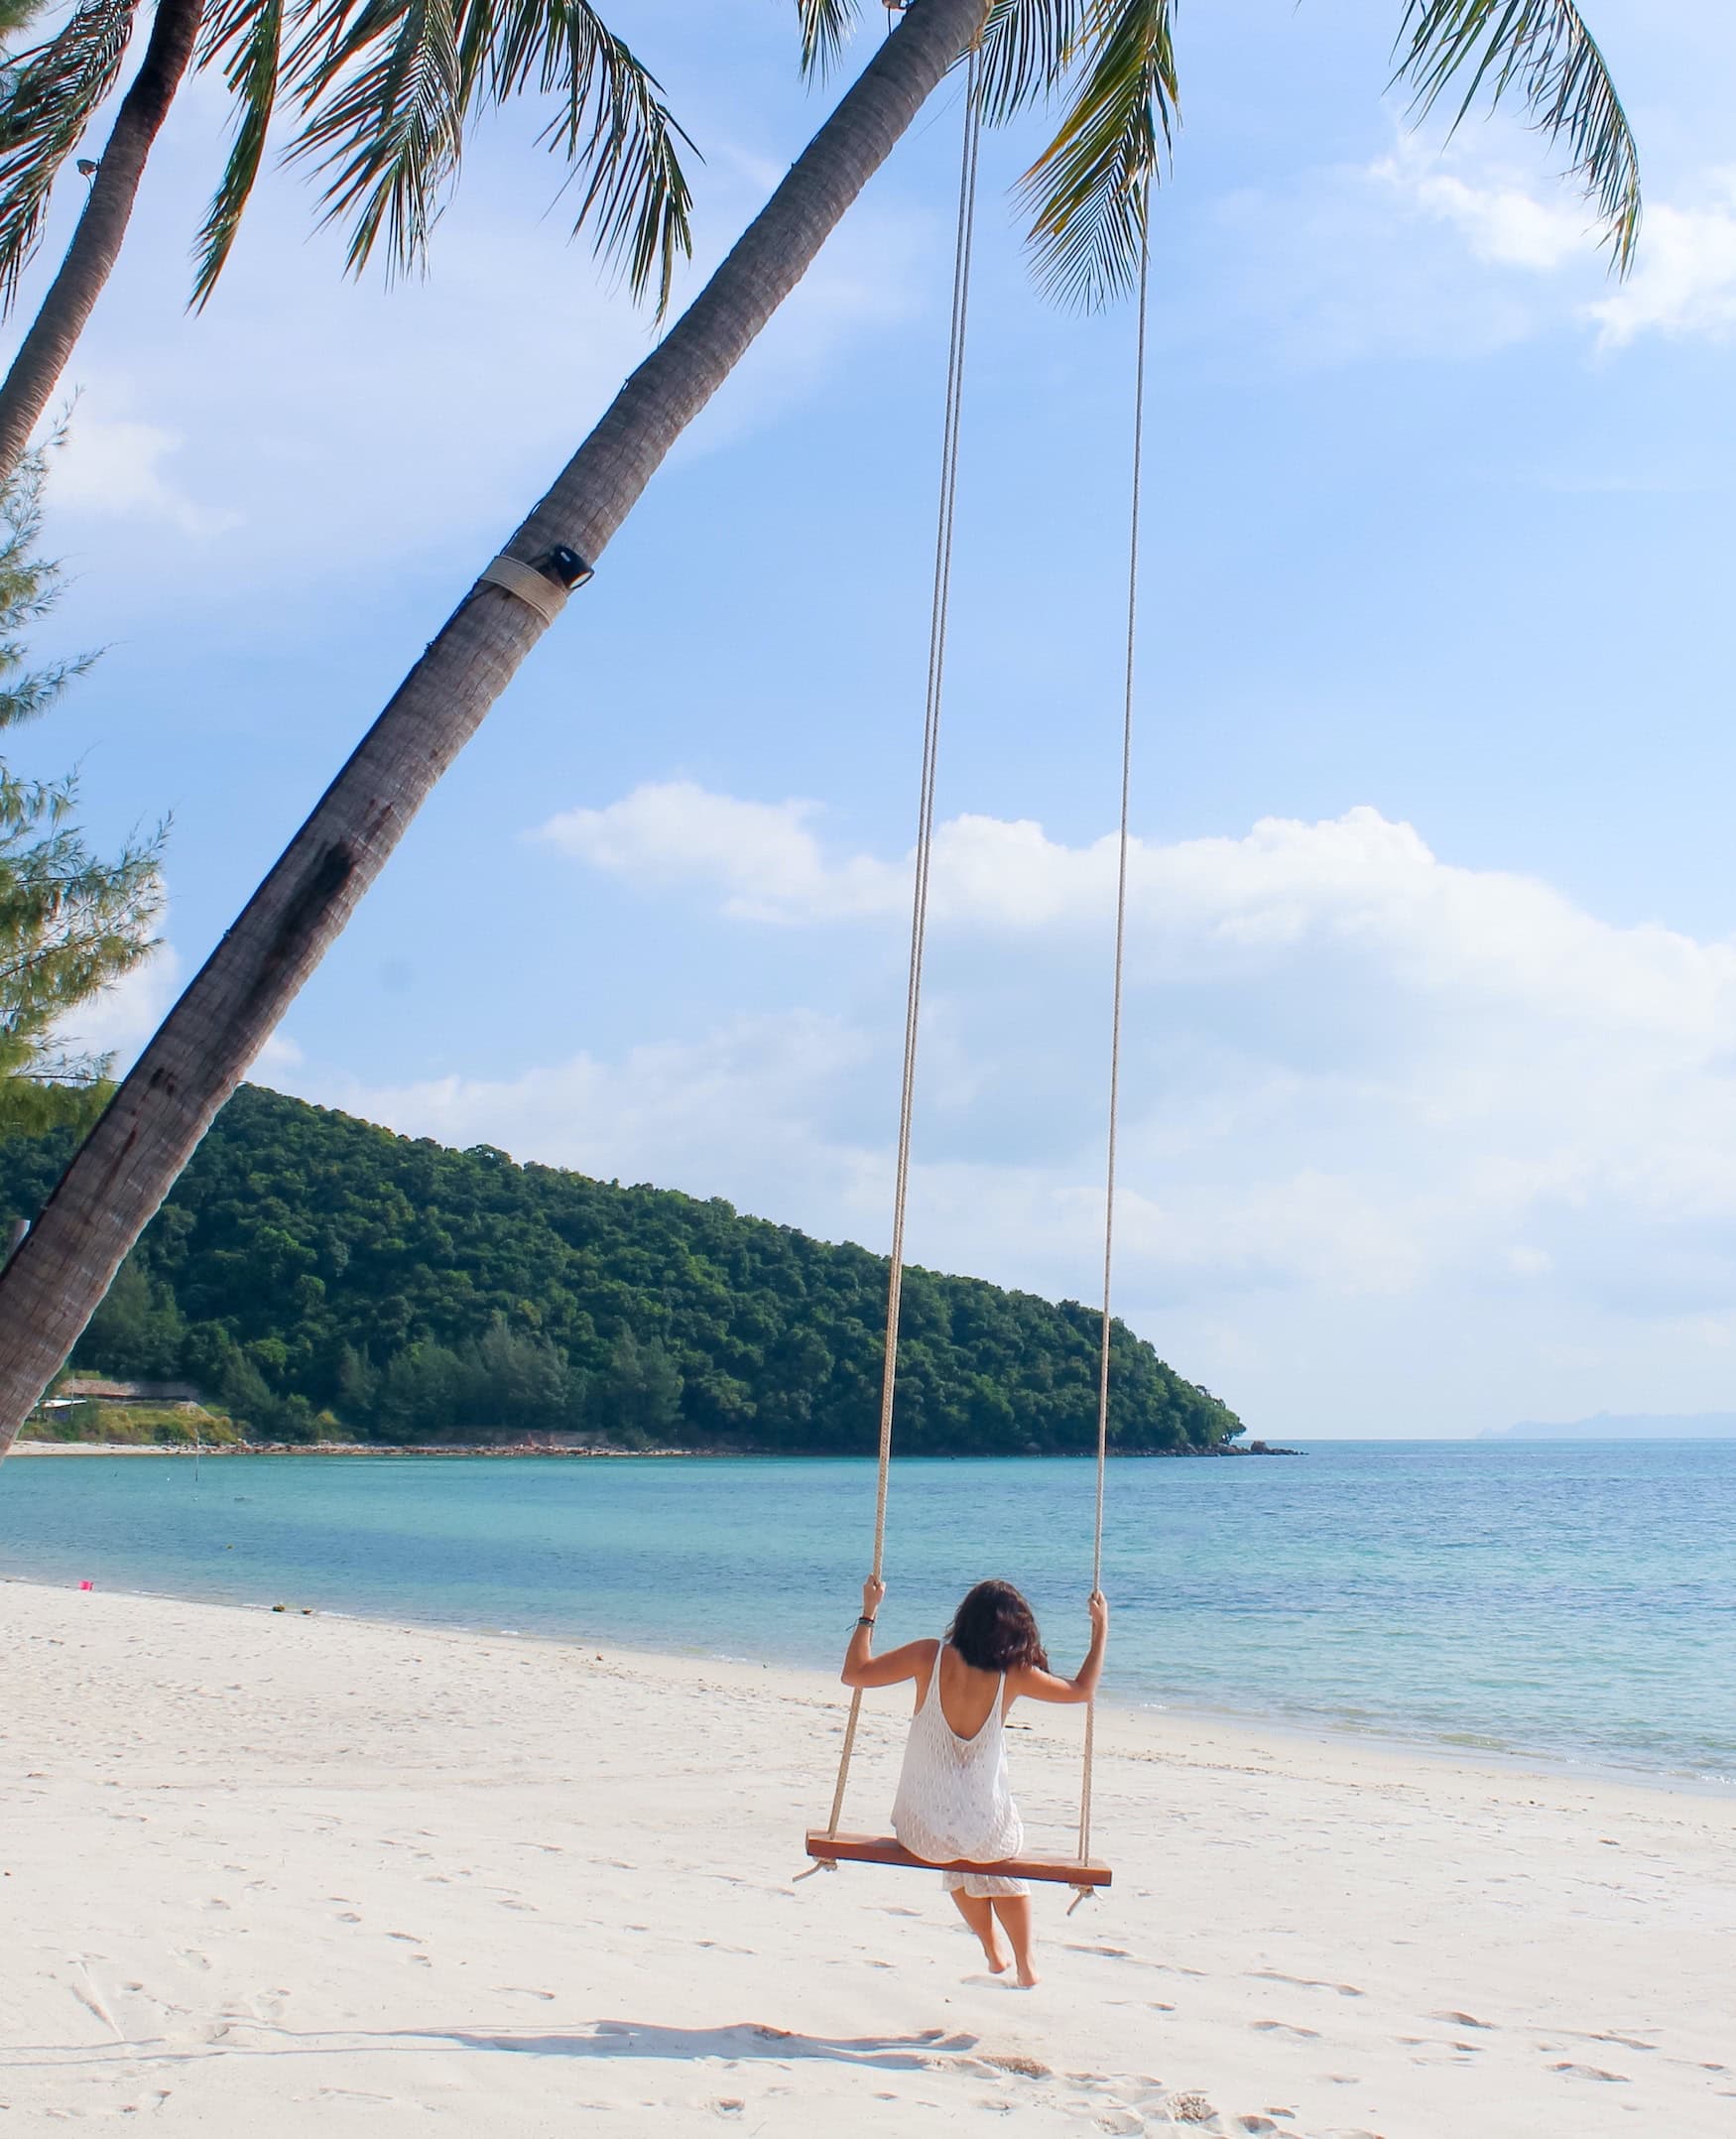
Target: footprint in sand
1592	2071
1309	1982
1464	2020
1285	2027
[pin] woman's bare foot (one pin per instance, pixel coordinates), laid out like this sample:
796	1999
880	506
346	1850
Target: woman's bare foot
997	1960
1012	1912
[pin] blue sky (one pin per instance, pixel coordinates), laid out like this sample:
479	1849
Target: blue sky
1431	1113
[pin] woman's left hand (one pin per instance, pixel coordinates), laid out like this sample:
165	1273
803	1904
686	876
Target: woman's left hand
873	1596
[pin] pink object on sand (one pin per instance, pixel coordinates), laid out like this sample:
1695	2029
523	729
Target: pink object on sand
88	1586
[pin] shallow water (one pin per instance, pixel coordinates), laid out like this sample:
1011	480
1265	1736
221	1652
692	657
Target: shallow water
1575	1600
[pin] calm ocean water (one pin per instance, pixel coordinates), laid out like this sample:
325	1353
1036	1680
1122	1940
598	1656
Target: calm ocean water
1577	1601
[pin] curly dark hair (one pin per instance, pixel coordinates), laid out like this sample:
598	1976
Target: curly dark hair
994	1629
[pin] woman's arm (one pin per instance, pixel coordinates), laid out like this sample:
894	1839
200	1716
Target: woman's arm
861	1665
1047	1686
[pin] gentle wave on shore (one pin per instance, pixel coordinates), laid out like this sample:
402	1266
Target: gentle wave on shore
1572	1601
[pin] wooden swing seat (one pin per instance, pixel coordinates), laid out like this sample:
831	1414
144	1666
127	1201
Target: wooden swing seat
886	1849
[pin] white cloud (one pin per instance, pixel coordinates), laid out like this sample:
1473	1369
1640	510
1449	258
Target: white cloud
764	855
123	1017
1502	220
115	469
1391	1124
1357	884
1685	281
279	1054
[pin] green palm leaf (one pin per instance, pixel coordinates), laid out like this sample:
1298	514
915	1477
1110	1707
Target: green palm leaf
1541	49
826	26
244	37
50	95
1086	192
615	130
379	85
387	87
1026	47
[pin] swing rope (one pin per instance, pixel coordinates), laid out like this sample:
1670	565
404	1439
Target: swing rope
1139	424
942	595
942	587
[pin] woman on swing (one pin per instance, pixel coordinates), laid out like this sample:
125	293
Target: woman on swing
953	1799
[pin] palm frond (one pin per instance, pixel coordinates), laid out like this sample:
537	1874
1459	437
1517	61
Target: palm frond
244	37
826	26
380	88
1543	50
1086	192
614	129
387	87
49	96
1027	48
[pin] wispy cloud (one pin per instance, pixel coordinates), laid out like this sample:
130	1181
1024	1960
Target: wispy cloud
1423	252
1685	283
1501	219
117	468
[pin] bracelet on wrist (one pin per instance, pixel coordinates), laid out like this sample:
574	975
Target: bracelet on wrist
865	1620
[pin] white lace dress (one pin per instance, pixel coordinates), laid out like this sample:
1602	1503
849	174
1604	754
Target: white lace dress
953	1799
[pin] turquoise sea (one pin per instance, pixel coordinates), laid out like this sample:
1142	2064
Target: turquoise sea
1571	1600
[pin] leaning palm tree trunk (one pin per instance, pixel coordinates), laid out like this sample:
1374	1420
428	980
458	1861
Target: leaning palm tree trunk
53	1284
43	354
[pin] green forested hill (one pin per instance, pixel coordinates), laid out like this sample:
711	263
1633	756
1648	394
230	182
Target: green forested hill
317	1275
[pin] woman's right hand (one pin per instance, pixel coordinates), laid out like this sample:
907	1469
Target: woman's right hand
1098	1607
873	1596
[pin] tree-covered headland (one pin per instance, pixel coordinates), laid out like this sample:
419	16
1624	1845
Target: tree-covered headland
321	1278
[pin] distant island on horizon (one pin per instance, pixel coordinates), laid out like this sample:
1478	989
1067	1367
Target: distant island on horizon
1622	1426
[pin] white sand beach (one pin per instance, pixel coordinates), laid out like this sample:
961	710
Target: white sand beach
272	1874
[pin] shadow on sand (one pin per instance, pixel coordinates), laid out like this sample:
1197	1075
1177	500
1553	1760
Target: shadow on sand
745	2040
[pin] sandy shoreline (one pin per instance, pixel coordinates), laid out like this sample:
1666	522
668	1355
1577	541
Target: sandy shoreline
269	1873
